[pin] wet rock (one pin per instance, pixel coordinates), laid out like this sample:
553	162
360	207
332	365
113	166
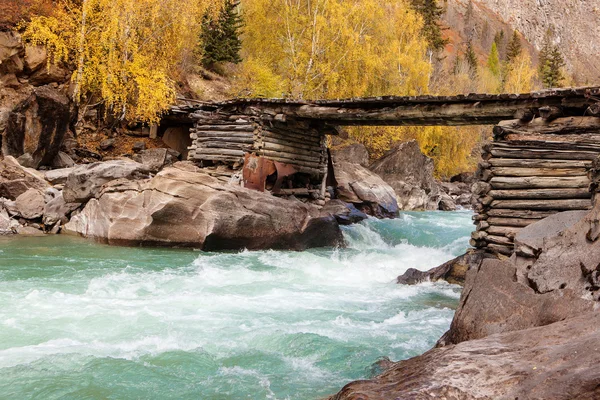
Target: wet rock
29	231
31	204
410	173
453	271
493	301
16	179
344	213
85	181
557	361
355	153
183	206
37	126
367	191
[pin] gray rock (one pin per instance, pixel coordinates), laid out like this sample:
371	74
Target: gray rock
355	153
29	231
31	204
344	213
453	271
62	160
16	179
57	210
557	361
6	223
183	206
139	146
410	173
58	176
366	190
107	144
155	159
85	181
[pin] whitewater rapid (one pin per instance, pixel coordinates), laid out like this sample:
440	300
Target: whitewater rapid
82	320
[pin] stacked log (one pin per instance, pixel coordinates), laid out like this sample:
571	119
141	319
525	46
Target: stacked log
292	143
530	171
221	137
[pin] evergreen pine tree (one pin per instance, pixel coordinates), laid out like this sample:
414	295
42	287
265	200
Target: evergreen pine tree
221	36
514	47
493	61
551	64
471	59
432	30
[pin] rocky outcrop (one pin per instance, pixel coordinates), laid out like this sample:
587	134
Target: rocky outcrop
37	126
557	361
410	174
365	190
16	179
344	213
453	271
183	206
85	181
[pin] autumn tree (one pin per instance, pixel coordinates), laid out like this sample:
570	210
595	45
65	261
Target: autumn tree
220	36
520	75
432	29
493	62
551	63
126	51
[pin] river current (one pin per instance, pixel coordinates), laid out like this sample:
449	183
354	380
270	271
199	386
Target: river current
79	320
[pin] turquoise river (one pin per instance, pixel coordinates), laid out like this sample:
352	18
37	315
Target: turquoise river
79	320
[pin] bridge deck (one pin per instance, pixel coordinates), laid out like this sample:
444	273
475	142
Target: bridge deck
472	109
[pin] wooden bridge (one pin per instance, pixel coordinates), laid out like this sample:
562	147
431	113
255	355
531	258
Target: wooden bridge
543	159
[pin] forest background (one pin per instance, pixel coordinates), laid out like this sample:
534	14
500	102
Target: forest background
138	56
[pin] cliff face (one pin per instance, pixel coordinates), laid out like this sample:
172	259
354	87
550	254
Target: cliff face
574	24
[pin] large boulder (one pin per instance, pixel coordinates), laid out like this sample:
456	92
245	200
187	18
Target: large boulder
11	50
37	126
355	153
367	191
183	206
493	301
16	179
31	204
410	173
557	361
85	181
57	210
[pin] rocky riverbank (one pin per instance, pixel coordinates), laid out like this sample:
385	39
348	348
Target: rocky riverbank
526	327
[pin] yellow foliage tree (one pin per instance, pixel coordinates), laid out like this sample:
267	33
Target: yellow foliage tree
520	75
127	51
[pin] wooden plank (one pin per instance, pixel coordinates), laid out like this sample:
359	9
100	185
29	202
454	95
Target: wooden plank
220	134
205	139
506	231
512	171
560	126
291	156
533	163
226	127
291	150
535	182
544	154
559	205
541	194
501	240
517	222
511	213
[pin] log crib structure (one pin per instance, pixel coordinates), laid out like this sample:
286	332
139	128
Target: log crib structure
544	157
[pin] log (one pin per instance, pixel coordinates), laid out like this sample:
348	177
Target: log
291	156
290	150
244	140
544	154
502	240
306	138
517	222
222	134
213	157
524	115
549	113
541	194
511	171
227	145
506	231
222	152
306	164
502	249
532	163
229	128
534	182
544	205
291	143
509	213
562	144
